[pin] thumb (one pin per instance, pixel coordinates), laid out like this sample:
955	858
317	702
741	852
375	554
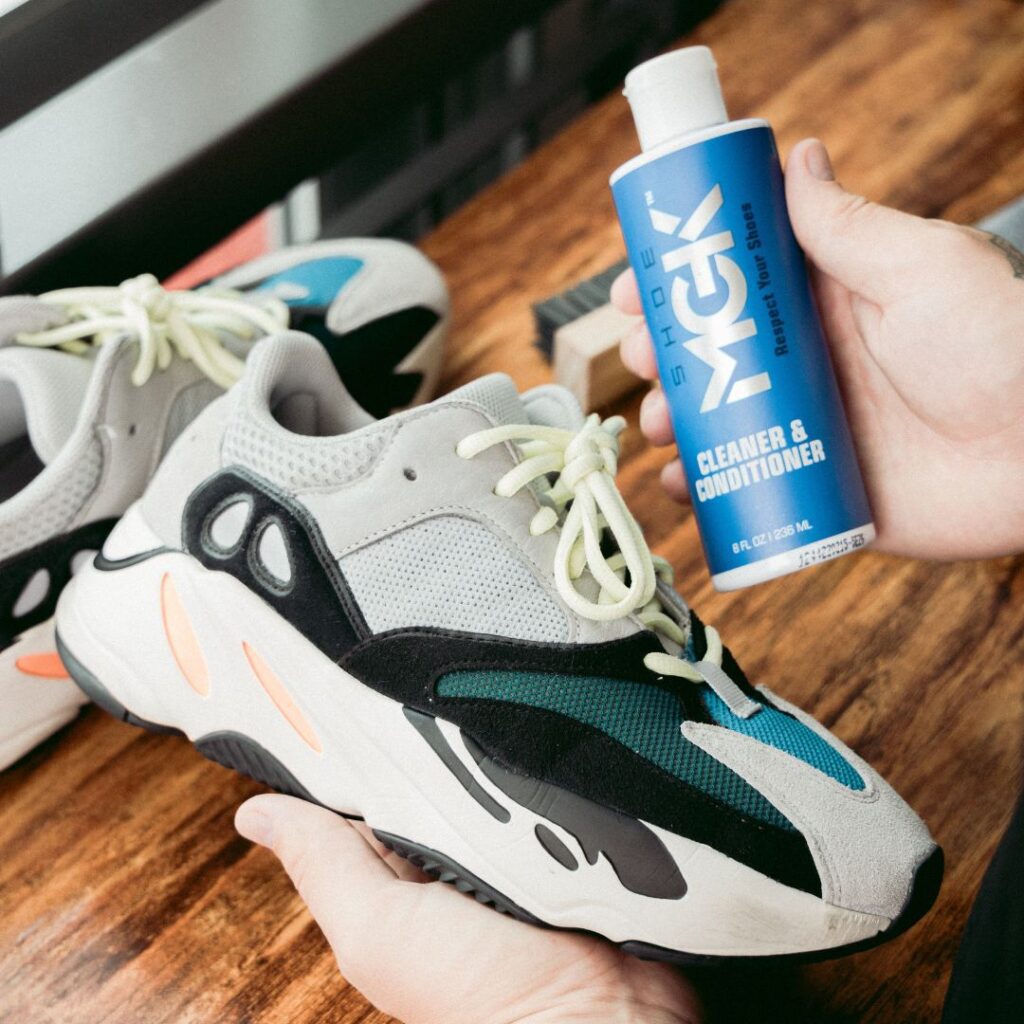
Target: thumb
336	872
860	244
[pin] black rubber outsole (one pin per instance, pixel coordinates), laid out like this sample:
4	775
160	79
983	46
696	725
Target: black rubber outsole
444	869
228	749
245	756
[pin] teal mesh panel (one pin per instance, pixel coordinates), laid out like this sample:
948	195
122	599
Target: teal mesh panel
642	718
778	730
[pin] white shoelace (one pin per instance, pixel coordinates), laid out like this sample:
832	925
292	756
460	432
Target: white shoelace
166	323
585	501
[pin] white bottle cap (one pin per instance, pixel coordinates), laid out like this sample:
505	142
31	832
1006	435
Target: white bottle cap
675	93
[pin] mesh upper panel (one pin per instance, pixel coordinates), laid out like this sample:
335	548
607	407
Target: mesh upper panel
496	395
39	512
45	389
21	314
451	573
304	461
643	718
782	731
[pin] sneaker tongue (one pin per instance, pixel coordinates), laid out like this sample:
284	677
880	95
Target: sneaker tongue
548	405
551	405
41	393
25	314
496	395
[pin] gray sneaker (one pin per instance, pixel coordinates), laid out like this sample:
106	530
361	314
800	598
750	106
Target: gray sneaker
448	623
96	383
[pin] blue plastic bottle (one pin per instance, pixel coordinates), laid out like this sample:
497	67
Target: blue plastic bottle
755	406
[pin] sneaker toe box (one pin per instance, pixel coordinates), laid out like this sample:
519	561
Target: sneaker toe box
869	847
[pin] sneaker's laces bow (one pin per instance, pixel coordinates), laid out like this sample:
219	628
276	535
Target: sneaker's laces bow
585	501
165	322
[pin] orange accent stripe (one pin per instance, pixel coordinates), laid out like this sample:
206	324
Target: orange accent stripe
43	666
182	639
282	699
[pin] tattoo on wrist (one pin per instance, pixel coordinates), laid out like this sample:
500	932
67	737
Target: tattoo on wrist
1013	256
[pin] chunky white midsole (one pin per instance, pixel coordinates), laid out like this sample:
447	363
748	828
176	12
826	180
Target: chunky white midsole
373	763
32	708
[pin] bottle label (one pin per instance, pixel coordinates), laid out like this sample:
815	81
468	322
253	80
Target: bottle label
755	406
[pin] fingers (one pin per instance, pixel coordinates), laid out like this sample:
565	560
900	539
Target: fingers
860	244
656	424
625	294
655	421
371	917
637	353
403	869
674	482
636	349
339	876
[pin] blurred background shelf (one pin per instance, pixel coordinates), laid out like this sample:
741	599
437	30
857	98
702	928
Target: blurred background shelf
138	135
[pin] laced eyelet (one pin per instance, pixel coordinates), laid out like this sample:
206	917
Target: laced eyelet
167	324
582	500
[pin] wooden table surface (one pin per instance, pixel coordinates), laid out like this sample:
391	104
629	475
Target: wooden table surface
125	894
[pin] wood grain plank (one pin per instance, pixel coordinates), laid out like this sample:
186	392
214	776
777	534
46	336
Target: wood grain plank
125	894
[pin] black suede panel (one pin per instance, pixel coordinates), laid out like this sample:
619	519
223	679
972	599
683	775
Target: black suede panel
437	652
432	653
55	556
367	357
316	600
555	748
